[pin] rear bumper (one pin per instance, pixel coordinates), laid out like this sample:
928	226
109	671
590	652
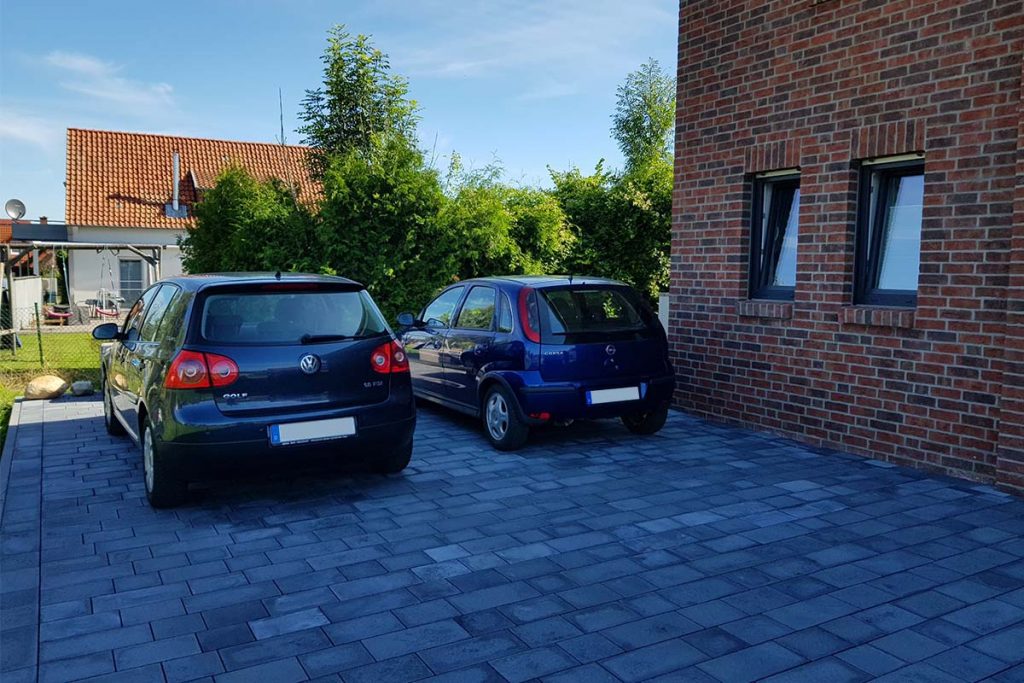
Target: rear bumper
197	438
569	400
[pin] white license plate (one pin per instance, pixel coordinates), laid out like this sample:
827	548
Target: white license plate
613	395
314	430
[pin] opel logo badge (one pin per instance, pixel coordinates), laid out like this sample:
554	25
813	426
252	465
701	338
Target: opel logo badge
309	364
610	350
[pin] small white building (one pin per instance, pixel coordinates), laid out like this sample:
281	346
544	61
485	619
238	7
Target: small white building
121	188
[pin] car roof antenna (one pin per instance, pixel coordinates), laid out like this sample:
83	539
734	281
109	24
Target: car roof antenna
570	278
277	275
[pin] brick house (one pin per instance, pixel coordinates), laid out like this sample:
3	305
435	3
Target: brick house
848	233
120	187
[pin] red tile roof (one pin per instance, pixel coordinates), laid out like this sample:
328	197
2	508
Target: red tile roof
120	179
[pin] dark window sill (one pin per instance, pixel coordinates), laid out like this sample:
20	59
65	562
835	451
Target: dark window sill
878	316
763	308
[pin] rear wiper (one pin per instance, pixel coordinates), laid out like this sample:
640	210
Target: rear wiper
320	338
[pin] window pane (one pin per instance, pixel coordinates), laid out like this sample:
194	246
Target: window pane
505	317
156	312
785	267
284	318
478	311
774	268
441	308
901	248
130	280
133	323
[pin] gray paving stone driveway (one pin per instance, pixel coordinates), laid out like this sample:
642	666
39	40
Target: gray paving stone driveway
704	553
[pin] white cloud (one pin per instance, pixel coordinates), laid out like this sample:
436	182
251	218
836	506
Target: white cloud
571	41
99	80
33	130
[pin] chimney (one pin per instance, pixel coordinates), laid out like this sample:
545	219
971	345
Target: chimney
175	209
177	180
43	220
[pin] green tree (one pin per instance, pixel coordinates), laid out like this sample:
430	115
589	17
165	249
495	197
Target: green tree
245	224
622	221
379	225
502	229
644	117
359	101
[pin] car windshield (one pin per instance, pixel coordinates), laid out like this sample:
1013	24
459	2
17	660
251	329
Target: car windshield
592	314
289	317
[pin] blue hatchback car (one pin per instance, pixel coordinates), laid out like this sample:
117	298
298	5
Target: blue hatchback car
525	351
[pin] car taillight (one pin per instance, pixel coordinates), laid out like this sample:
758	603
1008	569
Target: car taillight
389	358
223	370
528	314
194	370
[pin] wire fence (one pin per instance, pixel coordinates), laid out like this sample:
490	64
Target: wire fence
52	337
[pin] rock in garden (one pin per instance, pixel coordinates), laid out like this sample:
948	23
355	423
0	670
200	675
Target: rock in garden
82	388
46	386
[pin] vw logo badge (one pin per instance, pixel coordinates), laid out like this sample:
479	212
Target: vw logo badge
610	350
309	364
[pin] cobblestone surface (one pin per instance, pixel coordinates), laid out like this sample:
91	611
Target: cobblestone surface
704	553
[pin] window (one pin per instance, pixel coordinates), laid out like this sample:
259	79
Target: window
438	312
505	316
172	326
133	322
594	314
131	282
268	317
773	238
889	233
478	311
156	312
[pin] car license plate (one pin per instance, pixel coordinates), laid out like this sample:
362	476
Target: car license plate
613	395
313	430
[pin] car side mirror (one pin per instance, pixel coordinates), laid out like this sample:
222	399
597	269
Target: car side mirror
437	324
406	319
106	332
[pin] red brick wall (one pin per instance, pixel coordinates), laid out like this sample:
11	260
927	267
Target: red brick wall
766	85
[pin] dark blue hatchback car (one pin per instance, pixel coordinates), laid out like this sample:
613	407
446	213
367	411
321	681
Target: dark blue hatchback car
218	372
524	351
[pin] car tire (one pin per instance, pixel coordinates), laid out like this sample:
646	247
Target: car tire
110	421
163	490
503	425
397	461
646	423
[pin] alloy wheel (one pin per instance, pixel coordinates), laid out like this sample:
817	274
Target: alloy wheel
147	457
497	416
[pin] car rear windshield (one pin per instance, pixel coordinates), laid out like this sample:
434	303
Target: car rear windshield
289	317
575	315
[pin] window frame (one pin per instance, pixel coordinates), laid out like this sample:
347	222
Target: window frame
456	322
463	290
139	315
505	303
758	286
155	311
121	262
868	261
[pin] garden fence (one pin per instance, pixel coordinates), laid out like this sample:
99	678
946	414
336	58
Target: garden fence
50	337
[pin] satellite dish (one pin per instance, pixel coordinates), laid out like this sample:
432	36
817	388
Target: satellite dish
15	208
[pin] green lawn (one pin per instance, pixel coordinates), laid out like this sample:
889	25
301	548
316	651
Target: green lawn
72	356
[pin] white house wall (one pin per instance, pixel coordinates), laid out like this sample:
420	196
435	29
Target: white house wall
88	269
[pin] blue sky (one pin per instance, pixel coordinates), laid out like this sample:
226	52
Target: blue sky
530	83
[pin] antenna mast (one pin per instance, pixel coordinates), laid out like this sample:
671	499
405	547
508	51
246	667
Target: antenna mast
284	155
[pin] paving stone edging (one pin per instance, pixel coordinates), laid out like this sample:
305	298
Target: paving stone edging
8	454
